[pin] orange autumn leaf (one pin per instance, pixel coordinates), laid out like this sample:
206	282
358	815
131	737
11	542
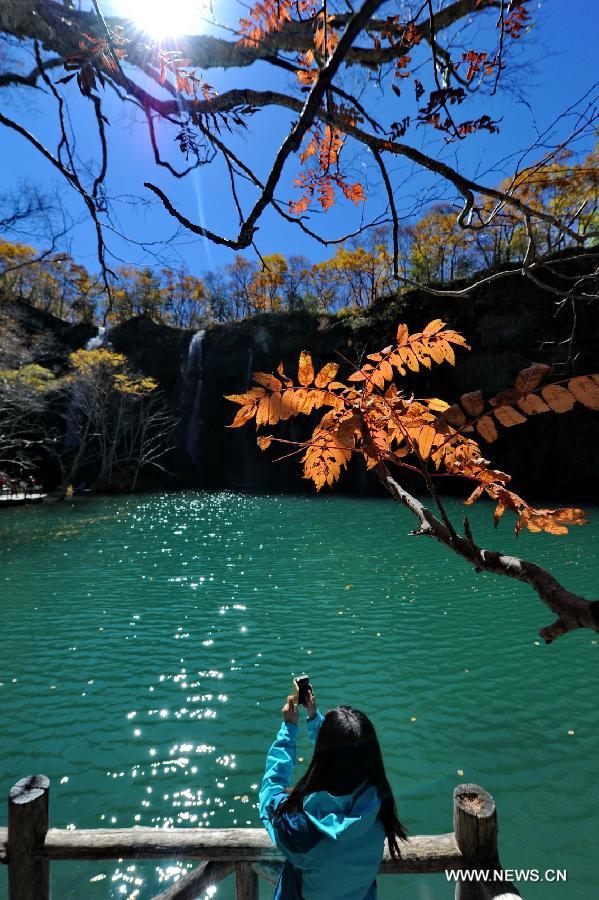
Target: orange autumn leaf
454	415
529	379
306	369
486	429
242	416
402	334
433	327
532	404
326	374
585	390
558	398
426	436
508	416
267	381
473	403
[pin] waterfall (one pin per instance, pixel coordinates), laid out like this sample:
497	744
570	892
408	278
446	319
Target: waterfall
192	397
99	340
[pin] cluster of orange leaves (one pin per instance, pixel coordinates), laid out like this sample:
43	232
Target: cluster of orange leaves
371	416
319	181
475	62
409	37
96	55
528	397
187	81
270	15
517	18
326	39
308	71
401	67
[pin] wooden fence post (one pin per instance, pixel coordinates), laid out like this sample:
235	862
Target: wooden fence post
28	875
247	882
475	829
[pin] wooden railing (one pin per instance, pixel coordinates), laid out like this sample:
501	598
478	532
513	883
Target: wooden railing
28	845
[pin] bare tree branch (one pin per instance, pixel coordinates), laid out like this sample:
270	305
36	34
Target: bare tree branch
467	187
73	180
572	611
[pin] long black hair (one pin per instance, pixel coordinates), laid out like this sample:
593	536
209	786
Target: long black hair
347	754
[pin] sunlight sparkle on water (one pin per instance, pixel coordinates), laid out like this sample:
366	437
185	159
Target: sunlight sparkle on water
176	717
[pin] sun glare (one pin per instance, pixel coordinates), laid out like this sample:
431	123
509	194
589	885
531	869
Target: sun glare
163	18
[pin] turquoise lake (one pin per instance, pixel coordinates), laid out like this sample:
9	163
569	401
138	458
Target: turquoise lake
148	644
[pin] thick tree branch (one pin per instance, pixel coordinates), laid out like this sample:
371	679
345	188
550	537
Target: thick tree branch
58	27
572	610
393	210
10	79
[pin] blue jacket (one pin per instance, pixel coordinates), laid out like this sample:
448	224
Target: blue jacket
333	849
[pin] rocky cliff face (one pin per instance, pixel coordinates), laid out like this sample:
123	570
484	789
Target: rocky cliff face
509	324
46	339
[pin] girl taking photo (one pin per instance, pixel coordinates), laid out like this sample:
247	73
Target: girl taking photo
331	827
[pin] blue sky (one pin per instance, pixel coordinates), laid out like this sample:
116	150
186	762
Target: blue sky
553	66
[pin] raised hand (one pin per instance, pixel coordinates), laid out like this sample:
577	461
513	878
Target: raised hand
311	703
290	710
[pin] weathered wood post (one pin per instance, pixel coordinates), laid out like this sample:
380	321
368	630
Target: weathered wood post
247	882
475	829
28	874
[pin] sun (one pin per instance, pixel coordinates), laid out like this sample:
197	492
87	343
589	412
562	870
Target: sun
163	18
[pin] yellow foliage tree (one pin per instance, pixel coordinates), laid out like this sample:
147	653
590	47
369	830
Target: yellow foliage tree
266	285
355	276
104	364
24	393
565	188
441	250
32	375
115	418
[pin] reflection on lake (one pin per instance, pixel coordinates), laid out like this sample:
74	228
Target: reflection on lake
149	642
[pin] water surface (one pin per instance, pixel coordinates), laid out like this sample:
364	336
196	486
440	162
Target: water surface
148	643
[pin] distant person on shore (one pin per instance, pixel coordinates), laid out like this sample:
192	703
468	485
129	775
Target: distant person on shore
331	827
